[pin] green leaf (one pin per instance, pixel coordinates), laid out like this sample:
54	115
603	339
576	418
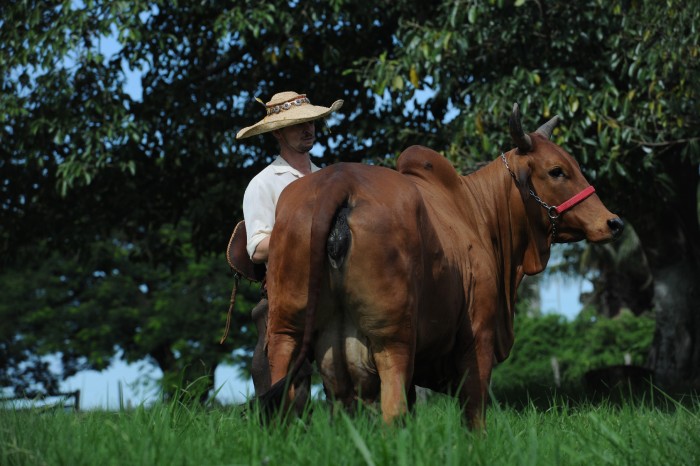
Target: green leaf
397	83
471	15
359	442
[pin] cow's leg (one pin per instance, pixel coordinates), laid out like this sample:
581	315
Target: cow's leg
382	289
285	332
282	351
332	364
300	387
475	375
261	366
411	396
394	365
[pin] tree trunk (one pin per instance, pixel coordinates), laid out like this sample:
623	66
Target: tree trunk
675	353
670	240
670	232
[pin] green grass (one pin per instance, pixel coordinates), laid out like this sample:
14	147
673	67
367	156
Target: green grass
665	433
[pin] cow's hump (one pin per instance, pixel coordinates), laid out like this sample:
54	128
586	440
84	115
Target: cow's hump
428	165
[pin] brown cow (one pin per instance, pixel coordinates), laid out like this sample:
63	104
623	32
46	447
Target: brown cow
392	279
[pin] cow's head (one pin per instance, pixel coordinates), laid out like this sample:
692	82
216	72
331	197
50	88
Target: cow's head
555	191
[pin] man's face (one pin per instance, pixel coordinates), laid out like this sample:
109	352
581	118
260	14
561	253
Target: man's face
299	137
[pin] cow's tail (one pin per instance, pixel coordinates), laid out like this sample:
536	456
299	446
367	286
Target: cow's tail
330	235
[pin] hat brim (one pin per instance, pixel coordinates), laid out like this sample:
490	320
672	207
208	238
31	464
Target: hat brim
292	117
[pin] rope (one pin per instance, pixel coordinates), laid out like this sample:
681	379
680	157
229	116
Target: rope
230	309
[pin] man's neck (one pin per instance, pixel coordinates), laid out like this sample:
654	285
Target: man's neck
298	160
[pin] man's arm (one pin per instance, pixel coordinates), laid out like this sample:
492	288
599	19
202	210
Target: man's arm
261	251
259	214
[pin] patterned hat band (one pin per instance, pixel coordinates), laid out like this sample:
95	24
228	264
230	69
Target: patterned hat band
301	100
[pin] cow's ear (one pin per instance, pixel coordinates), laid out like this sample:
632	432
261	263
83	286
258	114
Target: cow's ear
538	247
522	175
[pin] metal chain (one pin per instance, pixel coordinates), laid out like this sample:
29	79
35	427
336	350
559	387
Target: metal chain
551	210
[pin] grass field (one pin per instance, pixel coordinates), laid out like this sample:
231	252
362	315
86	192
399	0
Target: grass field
649	433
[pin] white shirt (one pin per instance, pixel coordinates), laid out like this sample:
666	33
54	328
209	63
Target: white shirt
260	199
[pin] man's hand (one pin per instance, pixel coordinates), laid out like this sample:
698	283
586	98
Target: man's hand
262	250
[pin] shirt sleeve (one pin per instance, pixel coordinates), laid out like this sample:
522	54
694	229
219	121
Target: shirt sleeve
258	212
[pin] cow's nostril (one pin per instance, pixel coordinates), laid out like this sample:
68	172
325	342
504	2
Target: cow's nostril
616	226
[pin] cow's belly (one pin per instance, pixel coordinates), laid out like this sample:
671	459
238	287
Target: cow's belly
346	363
439	350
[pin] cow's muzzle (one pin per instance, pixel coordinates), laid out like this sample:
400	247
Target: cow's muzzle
616	226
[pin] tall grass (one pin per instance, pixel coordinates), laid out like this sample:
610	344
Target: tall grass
663	433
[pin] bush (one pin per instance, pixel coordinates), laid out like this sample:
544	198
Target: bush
589	342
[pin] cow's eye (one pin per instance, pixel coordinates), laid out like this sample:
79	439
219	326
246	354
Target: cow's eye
556	172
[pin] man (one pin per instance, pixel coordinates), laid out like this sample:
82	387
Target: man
290	118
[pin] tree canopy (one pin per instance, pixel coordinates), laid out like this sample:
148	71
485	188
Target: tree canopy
117	203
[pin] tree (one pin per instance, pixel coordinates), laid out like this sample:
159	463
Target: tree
121	205
574	348
117	208
622	75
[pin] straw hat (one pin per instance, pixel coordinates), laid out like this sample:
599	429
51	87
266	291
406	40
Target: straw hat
287	109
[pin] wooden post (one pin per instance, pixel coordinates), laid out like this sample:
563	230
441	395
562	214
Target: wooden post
555	370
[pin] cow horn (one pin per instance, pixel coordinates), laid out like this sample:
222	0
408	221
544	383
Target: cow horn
520	139
547	128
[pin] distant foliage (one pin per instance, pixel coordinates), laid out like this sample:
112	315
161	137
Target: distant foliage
586	343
